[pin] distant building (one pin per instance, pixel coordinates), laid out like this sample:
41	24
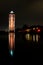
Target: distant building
12	21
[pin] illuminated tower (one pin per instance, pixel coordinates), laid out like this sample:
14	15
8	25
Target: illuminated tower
11	21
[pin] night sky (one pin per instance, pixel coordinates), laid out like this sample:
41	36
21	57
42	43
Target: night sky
27	12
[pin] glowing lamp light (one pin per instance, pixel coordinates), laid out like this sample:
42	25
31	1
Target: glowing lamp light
11	52
38	30
27	30
11	12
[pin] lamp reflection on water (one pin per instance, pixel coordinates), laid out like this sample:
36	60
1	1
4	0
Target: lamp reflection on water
33	37
28	37
37	38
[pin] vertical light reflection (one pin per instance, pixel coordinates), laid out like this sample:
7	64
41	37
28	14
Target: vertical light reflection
34	38
11	40
28	37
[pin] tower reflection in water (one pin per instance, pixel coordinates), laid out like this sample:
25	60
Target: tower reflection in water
11	43
34	37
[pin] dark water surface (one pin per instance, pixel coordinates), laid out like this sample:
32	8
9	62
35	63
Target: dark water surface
29	47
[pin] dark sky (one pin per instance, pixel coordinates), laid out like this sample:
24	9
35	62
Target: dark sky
27	12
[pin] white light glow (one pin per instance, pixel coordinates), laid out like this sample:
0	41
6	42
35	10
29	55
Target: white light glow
11	52
11	12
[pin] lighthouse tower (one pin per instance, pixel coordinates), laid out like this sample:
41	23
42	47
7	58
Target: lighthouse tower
11	21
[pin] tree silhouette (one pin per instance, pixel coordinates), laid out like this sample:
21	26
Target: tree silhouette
25	26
